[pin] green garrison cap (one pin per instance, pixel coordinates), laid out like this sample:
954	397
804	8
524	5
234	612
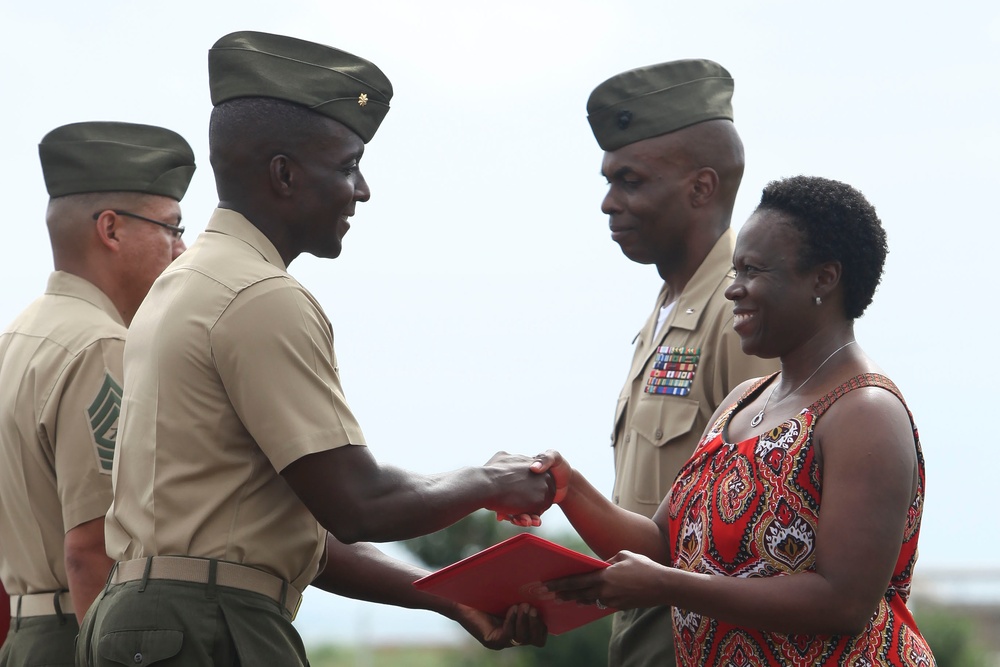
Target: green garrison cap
106	156
331	82
650	101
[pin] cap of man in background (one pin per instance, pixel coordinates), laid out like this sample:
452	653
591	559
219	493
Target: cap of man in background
114	224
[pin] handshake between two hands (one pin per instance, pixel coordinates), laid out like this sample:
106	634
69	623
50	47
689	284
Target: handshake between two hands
528	486
522	488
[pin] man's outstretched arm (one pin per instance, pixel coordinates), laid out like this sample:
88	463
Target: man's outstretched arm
357	498
362	572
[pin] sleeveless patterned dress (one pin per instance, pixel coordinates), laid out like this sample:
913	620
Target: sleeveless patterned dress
751	509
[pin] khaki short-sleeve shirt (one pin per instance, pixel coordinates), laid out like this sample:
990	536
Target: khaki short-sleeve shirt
60	393
230	376
662	412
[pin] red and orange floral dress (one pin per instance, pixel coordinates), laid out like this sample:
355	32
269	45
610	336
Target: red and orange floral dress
751	509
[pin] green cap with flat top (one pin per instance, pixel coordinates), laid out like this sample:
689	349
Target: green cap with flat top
331	82
650	101
107	156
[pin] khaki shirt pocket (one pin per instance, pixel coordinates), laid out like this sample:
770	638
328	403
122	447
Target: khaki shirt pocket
141	647
657	421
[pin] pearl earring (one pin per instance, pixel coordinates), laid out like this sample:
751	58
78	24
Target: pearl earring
819	301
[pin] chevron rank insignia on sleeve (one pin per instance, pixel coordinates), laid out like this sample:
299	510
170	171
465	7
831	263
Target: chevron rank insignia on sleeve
103	418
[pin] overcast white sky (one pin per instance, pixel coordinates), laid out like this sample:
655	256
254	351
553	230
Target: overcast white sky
479	303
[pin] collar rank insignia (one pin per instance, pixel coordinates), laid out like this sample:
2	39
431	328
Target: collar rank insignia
673	370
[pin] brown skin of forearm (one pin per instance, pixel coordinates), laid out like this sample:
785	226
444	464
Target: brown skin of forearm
87	564
607	528
362	572
805	603
358	499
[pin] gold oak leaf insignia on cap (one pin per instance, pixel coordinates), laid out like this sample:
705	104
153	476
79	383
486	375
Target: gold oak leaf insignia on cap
103	417
363	99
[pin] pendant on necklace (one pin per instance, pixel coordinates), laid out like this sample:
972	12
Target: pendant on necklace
757	419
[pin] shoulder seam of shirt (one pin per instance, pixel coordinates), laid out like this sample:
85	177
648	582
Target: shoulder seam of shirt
290	284
71	357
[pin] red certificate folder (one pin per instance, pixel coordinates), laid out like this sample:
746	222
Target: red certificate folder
512	572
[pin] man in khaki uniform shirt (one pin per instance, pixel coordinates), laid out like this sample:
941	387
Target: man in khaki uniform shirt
61	370
241	475
674	162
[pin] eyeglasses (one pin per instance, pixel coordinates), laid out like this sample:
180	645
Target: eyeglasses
176	230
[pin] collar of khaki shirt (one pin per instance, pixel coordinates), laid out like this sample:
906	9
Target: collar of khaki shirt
231	223
693	300
66	284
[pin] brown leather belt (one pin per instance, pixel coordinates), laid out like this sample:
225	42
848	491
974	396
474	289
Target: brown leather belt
41	604
198	571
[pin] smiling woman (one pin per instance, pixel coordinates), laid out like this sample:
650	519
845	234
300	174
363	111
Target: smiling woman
790	536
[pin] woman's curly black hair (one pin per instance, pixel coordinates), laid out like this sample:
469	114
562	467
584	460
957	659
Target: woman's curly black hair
838	224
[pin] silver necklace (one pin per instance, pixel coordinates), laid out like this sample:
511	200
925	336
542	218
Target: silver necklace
759	417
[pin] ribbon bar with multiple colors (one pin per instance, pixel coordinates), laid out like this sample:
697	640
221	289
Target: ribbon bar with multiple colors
673	370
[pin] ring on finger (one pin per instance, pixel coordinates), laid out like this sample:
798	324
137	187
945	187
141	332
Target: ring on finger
514	642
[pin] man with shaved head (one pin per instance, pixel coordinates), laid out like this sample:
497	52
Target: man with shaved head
114	224
674	161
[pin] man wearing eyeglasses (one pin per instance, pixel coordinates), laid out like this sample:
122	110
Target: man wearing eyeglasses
114	223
